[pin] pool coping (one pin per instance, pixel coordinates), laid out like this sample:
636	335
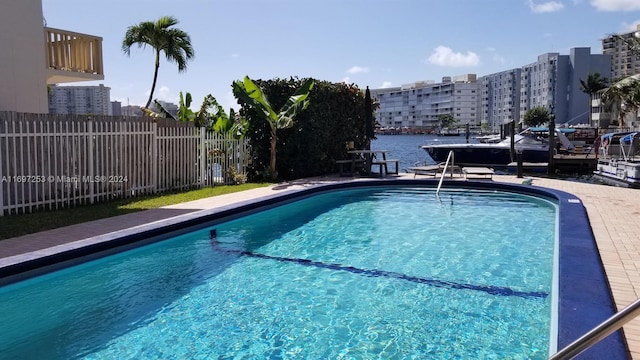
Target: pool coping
585	298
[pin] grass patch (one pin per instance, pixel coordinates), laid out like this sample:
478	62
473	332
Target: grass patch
22	224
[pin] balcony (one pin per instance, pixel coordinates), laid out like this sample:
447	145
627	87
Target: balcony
72	57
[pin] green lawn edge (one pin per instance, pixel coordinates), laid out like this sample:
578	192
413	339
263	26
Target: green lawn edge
42	220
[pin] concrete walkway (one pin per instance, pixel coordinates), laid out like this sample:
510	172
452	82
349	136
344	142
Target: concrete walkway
614	214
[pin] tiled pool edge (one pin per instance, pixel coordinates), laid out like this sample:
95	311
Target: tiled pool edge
585	297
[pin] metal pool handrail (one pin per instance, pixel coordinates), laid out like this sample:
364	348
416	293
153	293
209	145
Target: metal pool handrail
446	166
598	333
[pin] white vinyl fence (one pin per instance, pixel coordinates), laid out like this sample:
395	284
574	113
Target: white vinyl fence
53	161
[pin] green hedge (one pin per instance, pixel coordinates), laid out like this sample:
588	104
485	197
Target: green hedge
335	116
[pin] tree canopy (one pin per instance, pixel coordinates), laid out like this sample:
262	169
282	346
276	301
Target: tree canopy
251	94
447	121
162	37
537	116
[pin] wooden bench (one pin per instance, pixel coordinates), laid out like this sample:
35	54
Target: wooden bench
385	164
352	166
479	171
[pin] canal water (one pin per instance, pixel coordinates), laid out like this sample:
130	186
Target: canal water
407	149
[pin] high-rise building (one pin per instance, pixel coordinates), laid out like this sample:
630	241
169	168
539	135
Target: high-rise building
80	100
500	98
419	104
116	108
623	61
553	82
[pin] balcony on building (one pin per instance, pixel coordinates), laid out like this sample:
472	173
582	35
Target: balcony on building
72	56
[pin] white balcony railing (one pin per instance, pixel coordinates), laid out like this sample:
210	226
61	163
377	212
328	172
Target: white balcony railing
73	54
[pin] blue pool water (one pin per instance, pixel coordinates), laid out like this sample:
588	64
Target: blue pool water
367	273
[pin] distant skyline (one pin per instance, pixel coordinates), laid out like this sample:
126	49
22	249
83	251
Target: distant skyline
369	43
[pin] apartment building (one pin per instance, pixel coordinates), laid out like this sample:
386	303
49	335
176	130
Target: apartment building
500	98
418	105
623	61
80	100
553	82
35	56
116	108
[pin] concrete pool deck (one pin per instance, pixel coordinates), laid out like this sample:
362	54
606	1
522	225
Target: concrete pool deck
614	215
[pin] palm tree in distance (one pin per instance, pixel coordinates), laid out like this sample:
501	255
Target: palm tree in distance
175	43
623	97
592	85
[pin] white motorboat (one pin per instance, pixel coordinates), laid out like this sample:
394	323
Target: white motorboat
619	159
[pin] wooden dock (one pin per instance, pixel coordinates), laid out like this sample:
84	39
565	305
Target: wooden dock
579	163
564	164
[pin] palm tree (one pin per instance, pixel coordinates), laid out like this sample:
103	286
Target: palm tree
623	97
175	43
592	85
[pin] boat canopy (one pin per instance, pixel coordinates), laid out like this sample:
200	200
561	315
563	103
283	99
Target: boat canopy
629	137
616	135
627	142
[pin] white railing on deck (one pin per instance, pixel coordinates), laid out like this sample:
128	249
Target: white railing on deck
53	161
71	51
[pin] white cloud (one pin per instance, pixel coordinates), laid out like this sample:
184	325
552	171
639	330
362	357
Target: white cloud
346	80
444	56
162	93
357	70
385	84
616	5
629	27
547	7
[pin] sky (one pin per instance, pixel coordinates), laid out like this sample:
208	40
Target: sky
374	43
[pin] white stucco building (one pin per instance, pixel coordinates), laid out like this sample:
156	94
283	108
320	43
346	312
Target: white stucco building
34	56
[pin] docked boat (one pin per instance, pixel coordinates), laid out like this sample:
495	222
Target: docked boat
489	139
619	159
533	146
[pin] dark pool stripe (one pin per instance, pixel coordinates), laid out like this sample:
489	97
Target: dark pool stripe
493	290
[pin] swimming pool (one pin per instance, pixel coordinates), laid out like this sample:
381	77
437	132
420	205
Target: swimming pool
311	280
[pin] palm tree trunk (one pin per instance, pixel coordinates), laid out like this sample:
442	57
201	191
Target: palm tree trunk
155	78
